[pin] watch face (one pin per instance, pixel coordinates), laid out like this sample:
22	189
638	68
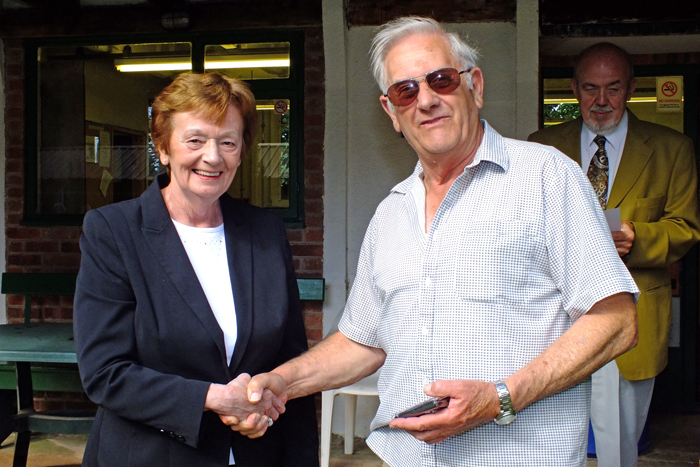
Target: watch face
505	419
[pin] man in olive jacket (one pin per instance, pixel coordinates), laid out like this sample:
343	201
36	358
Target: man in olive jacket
651	177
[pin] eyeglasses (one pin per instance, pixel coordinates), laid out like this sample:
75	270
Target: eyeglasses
442	81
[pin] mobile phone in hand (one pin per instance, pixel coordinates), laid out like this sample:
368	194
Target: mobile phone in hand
430	406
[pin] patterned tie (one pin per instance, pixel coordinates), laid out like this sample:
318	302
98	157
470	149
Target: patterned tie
598	171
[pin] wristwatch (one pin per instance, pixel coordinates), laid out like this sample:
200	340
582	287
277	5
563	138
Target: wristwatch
507	414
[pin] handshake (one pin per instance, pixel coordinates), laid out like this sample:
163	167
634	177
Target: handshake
248	405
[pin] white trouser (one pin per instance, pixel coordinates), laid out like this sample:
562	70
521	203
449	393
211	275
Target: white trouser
619	409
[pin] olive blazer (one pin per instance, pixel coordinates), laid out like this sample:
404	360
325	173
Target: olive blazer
149	346
656	190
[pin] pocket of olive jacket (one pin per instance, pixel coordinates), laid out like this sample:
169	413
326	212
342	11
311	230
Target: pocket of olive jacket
649	209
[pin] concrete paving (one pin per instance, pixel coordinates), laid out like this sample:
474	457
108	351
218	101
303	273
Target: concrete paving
47	450
675	442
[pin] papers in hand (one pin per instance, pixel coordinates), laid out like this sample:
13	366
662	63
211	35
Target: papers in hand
613	218
375	424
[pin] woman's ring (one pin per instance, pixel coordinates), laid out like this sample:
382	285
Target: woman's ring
270	422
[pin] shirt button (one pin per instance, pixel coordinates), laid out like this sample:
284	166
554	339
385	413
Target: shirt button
425	331
428	282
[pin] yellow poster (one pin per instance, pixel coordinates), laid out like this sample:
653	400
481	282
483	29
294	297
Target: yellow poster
669	94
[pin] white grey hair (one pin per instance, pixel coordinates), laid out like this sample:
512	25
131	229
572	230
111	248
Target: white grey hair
390	33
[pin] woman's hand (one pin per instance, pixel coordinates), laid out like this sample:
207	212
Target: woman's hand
231	403
253	427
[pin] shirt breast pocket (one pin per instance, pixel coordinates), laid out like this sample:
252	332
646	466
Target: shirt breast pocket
492	261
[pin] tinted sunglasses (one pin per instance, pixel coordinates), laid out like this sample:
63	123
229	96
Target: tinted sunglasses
442	81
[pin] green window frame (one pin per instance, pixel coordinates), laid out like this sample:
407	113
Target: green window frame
290	89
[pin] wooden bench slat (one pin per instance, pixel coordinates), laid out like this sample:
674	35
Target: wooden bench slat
38	283
44	378
64	284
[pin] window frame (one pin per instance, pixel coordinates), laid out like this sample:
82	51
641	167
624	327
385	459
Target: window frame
291	88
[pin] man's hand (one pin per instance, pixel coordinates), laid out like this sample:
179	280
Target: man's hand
266	382
472	403
231	403
259	389
624	239
335	362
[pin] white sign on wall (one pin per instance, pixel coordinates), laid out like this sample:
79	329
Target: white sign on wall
669	94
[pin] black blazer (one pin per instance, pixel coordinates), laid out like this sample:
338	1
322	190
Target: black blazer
148	343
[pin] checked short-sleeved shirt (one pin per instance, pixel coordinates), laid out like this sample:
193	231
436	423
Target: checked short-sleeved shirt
518	250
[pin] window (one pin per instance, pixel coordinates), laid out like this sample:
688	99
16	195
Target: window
88	113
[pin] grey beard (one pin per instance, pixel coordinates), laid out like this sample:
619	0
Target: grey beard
602	130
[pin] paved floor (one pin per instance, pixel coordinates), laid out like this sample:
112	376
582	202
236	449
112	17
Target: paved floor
47	450
675	440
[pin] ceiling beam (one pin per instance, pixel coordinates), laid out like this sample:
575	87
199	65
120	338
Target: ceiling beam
146	18
51	4
169	5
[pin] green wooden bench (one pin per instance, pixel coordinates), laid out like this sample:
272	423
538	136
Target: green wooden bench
55	377
43	357
65	378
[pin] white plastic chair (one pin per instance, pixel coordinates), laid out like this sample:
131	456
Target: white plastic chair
364	387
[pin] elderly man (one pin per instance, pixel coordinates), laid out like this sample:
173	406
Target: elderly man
472	281
648	172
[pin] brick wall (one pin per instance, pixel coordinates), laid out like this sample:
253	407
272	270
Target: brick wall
307	243
55	249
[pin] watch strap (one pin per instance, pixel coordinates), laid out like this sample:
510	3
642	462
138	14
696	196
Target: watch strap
507	413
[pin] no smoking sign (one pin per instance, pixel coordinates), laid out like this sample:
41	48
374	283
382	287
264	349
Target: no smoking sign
669	89
281	107
669	94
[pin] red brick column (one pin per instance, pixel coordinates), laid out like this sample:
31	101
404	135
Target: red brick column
30	249
307	242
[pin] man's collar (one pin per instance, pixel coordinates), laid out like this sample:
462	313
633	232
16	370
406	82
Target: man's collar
491	150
